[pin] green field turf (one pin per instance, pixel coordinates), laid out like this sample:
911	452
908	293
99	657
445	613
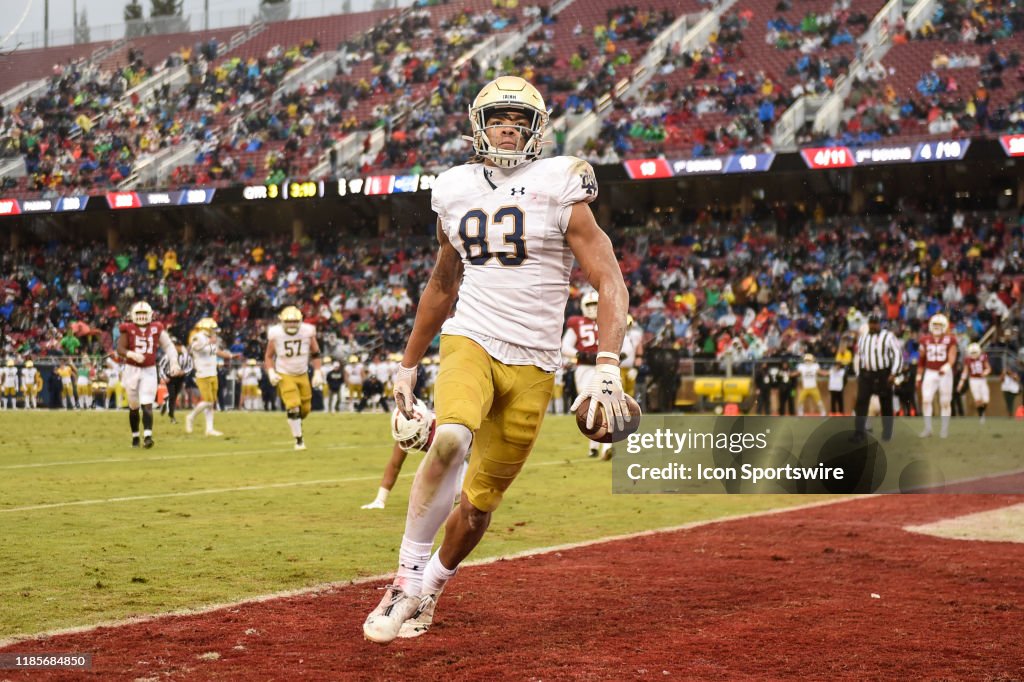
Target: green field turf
93	530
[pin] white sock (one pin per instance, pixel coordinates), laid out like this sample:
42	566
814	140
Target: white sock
197	409
412	562
296	426
382	495
147	433
436	575
209	418
945	423
927	422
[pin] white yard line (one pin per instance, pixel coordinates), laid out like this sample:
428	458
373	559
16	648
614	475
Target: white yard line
217	491
6	641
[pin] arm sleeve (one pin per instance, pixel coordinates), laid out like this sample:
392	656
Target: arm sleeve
170	352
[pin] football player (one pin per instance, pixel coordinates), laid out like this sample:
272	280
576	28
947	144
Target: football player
250	376
137	345
84	382
935	373
509	226
809	370
977	369
204	347
354	376
291	348
9	375
579	347
31	384
66	371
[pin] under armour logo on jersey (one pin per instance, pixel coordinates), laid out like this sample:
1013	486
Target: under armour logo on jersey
607	390
522	191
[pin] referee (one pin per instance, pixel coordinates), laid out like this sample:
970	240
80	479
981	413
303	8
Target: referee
175	384
878	361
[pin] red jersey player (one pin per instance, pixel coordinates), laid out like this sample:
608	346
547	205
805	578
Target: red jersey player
137	347
579	345
935	372
977	368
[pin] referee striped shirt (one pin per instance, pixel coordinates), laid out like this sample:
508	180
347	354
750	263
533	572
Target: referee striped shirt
184	362
879	351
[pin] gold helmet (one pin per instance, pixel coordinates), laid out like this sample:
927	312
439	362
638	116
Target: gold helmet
141	313
353	359
502	93
588	304
207	324
291	319
10	363
29	364
938	325
974	350
250	362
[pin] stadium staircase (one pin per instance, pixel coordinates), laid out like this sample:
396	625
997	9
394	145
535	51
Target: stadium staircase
690	32
825	111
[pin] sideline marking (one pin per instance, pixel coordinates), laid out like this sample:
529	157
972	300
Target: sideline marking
1003	524
325	587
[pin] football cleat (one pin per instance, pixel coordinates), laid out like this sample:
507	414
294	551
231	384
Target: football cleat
213	432
927	433
607	452
376	504
592	453
299	444
135	441
147	442
385	622
423	618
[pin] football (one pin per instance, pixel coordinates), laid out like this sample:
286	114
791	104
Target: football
600	431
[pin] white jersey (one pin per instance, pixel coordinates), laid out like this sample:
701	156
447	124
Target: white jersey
381	370
808	372
292	350
250	376
630	343
836	378
113	370
508	225
204	355
28	377
10	377
354	374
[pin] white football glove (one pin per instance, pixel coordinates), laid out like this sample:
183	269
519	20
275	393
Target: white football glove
318	378
135	356
404	381
274	377
606	388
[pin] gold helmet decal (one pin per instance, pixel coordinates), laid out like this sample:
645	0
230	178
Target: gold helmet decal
291	319
508	93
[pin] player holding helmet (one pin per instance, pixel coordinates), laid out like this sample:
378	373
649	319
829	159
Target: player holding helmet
978	369
935	372
291	348
137	347
509	226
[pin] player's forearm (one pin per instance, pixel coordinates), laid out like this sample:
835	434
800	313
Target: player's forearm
434	307
612	308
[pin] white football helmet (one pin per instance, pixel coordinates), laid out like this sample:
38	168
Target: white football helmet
974	350
291	319
508	92
938	325
415	433
141	313
588	305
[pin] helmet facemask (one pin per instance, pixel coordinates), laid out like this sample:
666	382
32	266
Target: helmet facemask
499	97
142	313
415	433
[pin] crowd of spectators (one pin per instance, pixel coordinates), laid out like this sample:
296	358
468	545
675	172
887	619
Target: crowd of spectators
717	289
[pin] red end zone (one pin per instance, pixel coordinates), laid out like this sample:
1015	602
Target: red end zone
783	596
